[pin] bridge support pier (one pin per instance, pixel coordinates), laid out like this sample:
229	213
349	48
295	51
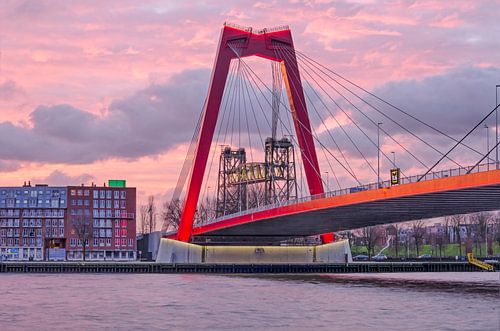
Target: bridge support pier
173	251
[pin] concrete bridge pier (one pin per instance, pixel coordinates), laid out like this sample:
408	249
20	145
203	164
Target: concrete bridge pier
173	251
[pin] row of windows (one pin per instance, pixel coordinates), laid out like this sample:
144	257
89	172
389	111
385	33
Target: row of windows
11	202
109	213
32	232
73	242
99	203
33	193
103	194
107	233
31	222
32	213
107	223
31	242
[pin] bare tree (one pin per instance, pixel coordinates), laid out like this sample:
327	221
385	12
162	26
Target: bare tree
370	236
479	222
82	225
144	221
151	207
171	214
418	232
456	223
393	230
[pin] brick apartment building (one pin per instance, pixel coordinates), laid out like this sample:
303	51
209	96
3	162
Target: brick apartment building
38	222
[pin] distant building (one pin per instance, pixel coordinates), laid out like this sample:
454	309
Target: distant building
37	222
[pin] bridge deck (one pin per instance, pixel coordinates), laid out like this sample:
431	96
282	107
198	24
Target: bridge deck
426	199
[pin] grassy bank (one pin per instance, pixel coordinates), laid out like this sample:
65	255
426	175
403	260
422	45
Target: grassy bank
449	250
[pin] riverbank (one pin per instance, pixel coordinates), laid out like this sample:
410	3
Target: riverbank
230	268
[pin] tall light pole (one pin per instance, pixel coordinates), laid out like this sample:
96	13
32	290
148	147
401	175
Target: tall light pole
327	182
496	126
487	146
378	154
394	159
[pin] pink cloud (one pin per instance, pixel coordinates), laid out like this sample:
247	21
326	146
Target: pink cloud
88	54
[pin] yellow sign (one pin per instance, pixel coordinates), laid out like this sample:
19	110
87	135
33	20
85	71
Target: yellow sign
395	176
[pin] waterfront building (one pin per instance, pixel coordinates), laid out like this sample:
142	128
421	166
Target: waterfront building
44	222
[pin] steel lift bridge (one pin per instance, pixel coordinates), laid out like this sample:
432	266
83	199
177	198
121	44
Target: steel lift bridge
270	185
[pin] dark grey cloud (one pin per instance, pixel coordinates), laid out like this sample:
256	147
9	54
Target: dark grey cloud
146	123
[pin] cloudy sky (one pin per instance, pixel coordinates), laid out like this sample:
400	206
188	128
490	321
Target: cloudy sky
93	90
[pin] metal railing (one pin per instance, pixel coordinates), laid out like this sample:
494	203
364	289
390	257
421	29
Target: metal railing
366	187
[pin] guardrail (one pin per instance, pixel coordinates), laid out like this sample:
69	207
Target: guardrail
367	187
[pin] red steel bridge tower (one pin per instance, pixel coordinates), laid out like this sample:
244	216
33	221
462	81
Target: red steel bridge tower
238	42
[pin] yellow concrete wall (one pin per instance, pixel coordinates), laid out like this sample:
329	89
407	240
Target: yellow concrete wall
259	254
173	251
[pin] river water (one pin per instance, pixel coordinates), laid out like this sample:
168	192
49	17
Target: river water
416	301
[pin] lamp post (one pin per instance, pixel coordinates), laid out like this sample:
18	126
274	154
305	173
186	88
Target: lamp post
496	126
394	159
327	182
487	145
378	154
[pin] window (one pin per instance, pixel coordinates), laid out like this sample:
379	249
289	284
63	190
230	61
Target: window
117	223
61	223
86	203
109	213
124	232
101	242
102	233
117	194
96	223
117	233
95	194
79	193
108	223
96	233
54	223
117	242
61	232
95	204
124	223
117	203
117	212
86	193
96	213
124	242
130	242
102	194
96	242
108	194
72	192
80	202
108	242
108	203
73	202
102	204
123	194
102	223
108	233
61	213
122	204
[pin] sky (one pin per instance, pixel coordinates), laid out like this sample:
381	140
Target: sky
93	90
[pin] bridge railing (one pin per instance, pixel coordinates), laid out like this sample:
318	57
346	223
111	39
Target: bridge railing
367	187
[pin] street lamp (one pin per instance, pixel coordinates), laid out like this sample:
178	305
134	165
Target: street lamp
327	182
394	159
378	154
496	125
487	146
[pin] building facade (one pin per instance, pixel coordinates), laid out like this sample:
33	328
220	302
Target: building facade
45	222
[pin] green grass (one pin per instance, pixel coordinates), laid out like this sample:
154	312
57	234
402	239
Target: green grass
449	250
